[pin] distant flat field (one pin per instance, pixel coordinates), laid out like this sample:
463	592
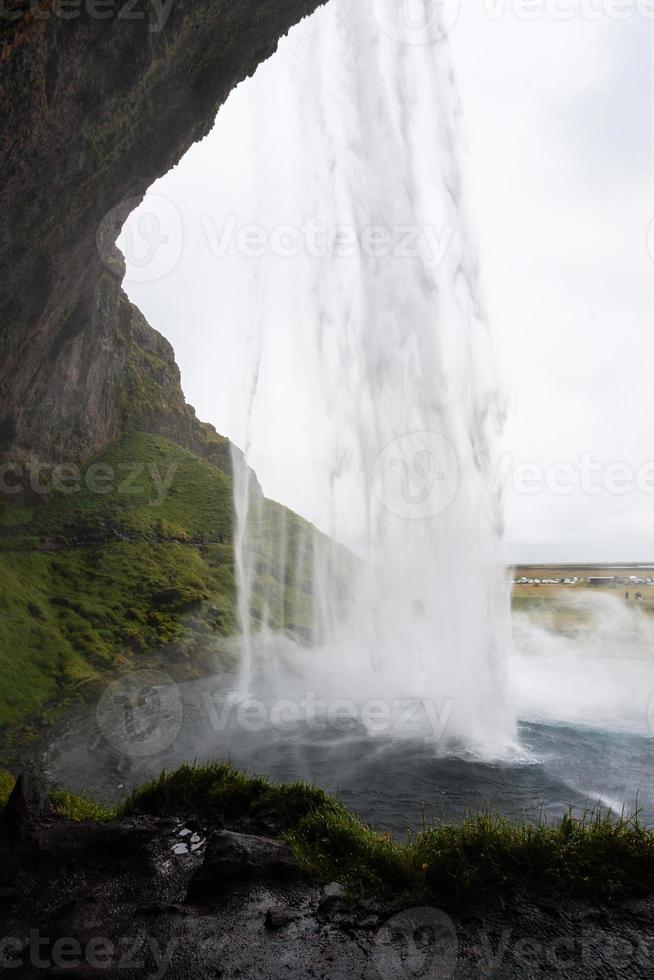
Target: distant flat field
582	573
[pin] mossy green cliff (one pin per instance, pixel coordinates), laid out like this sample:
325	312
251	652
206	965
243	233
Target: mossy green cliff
128	560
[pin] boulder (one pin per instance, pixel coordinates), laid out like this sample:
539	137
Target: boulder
22	822
278	918
26	810
232	860
332	896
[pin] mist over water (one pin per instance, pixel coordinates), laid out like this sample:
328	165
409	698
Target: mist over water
381	349
585	660
582	696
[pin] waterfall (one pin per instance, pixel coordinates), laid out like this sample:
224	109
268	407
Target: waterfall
368	349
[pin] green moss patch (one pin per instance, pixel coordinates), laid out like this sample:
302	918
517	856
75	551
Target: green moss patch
7	782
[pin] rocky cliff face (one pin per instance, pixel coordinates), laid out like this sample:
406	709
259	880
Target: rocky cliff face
98	100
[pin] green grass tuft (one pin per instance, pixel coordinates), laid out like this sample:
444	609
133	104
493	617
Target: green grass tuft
220	788
596	856
78	808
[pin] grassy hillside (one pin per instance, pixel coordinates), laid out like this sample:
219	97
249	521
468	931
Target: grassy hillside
129	563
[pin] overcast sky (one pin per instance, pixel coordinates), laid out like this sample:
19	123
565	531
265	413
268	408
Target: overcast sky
559	163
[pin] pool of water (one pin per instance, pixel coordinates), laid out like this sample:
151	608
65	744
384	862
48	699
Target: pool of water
393	782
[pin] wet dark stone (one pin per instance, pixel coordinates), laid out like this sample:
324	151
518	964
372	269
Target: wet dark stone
122	846
332	896
234	859
27	808
278	918
22	823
